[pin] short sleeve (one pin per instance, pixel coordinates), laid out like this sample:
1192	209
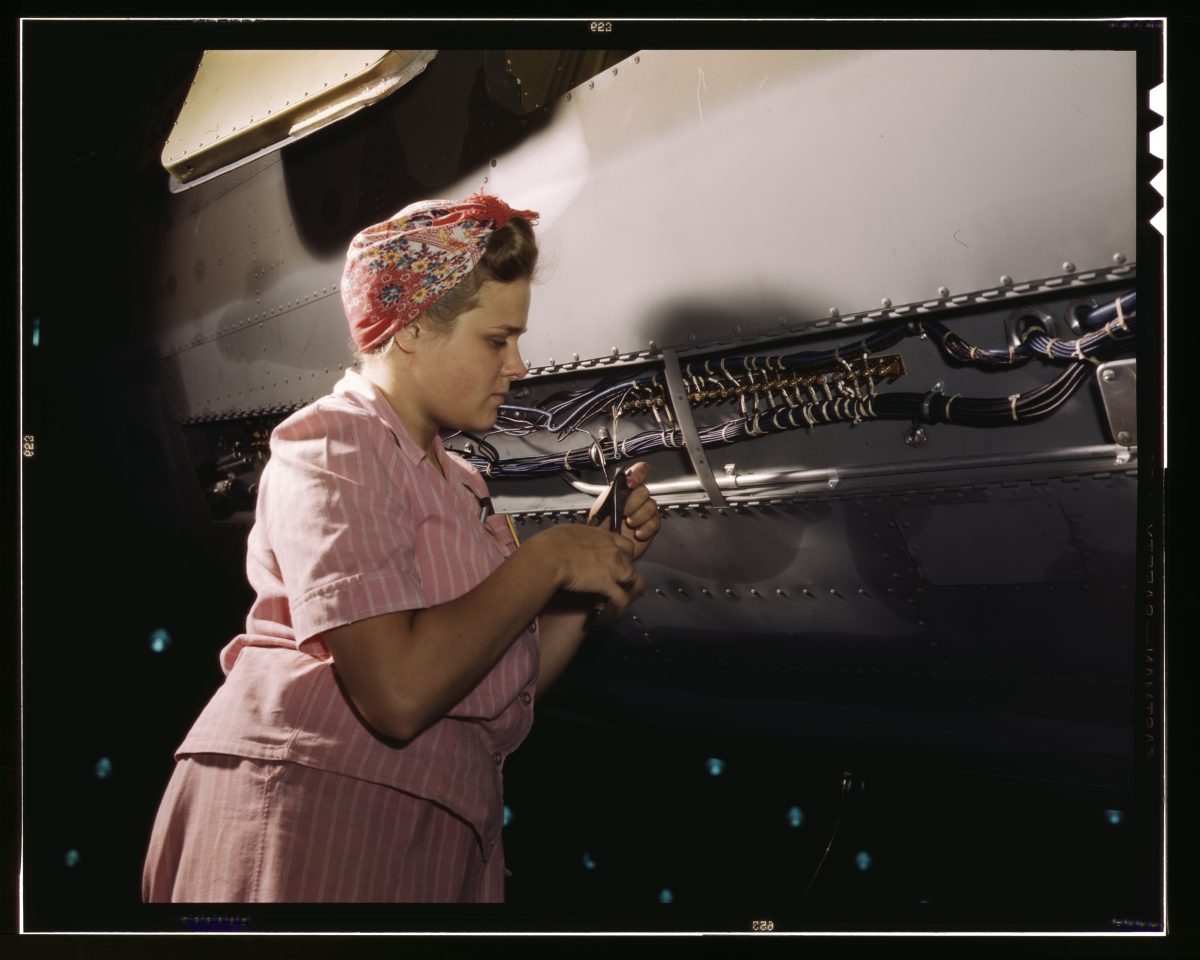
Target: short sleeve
337	519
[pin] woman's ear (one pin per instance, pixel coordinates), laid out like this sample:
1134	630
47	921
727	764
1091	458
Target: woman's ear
407	337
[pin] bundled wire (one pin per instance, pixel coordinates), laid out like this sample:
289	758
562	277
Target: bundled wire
565	413
562	414
1114	322
983	411
1098	316
1035	404
797	362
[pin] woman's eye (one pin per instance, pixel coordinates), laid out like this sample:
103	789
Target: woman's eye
499	344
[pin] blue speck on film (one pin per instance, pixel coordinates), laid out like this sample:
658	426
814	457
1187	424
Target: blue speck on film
665	896
862	860
159	640
71	858
37	331
1114	816
507	815
103	768
795	816
716	766
588	862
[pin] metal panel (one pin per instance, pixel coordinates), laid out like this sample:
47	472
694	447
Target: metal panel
833	580
278	362
1117	381
245	101
945	542
248	318
689	192
696	196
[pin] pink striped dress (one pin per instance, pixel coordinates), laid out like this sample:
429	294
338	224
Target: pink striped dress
281	792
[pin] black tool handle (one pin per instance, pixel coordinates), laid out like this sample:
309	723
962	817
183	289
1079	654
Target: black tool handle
612	512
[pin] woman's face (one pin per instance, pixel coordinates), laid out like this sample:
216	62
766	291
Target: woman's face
464	375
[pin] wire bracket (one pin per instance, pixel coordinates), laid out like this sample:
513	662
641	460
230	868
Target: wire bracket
691	437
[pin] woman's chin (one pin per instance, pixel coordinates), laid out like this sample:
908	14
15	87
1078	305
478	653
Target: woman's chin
478	425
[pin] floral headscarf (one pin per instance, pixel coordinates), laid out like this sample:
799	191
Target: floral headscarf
398	268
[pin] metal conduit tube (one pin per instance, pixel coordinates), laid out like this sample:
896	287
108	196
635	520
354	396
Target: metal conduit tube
773	478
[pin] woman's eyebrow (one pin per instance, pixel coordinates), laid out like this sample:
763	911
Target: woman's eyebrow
507	328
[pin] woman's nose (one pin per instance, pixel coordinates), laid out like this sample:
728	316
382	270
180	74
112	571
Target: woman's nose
514	365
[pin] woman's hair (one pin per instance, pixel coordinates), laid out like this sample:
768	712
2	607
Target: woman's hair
511	254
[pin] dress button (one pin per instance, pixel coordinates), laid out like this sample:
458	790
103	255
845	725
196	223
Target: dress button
498	757
526	698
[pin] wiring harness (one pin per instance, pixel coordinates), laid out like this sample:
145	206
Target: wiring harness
800	390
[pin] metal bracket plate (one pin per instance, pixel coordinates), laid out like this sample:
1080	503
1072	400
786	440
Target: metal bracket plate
691	437
1117	381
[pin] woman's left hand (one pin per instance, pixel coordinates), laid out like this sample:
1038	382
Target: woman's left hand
642	521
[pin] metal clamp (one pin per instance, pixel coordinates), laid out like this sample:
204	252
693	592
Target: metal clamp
691	437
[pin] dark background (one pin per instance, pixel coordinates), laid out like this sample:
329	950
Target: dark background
117	545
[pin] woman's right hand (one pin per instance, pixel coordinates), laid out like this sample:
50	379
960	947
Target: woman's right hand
593	560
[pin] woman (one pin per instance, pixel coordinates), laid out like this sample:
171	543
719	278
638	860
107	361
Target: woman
397	643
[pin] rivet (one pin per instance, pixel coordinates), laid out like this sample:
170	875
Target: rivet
614	71
728	592
528	364
943	291
637	59
887	302
737	328
1005	280
653	345
613	351
754	592
551	361
704	590
574	356
779	592
938	386
591	84
568	96
834	312
1118	258
658	590
493	163
1109	375
1123	438
1068	266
